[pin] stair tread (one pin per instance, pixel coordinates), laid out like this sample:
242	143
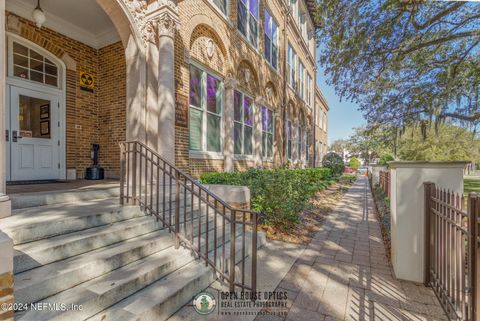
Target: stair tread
96	294
75	236
53	212
156	293
55	270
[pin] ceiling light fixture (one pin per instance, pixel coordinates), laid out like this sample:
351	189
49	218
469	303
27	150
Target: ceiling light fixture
38	15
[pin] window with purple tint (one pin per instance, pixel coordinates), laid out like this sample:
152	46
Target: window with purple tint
243	124
195	86
205	116
213	97
247	20
271	45
267	133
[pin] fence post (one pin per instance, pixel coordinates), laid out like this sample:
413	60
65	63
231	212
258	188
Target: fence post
177	211
428	188
473	211
233	237
134	173
122	173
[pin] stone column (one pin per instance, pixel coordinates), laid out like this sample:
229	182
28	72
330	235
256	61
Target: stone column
164	19
5	205
228	141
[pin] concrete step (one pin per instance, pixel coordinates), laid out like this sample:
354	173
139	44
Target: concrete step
102	292
161	299
36	223
26	200
34	254
47	280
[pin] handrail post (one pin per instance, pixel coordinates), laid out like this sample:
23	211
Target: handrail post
122	173
232	249
254	253
134	174
177	210
428	188
473	209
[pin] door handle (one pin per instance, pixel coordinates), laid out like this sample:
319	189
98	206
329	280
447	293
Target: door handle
7	135
15	137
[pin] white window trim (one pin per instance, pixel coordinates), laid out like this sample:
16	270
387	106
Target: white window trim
204	154
292	67
274	21
247	36
266	158
244	156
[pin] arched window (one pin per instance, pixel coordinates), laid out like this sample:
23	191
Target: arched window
27	63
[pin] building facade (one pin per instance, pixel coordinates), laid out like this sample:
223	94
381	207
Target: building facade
212	85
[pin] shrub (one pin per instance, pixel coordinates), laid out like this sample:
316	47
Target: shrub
281	194
384	159
354	163
334	162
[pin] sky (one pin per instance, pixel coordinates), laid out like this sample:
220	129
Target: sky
343	116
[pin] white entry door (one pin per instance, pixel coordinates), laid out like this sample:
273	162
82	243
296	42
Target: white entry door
33	129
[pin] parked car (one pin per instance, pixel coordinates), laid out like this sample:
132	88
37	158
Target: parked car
349	170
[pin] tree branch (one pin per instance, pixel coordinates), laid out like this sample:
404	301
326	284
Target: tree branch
438	16
440	40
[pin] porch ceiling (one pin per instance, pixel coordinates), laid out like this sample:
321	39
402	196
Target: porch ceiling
81	20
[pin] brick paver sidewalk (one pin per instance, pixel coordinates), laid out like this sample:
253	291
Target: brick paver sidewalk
344	273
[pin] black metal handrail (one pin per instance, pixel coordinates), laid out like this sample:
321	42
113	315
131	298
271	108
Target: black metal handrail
153	183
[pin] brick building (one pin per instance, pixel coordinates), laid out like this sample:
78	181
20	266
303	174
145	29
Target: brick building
212	85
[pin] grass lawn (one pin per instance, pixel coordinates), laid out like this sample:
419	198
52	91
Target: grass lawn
471	185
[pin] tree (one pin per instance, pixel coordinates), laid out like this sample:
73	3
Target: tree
339	146
451	143
404	61
334	162
354	163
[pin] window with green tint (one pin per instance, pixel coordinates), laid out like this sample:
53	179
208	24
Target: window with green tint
222	5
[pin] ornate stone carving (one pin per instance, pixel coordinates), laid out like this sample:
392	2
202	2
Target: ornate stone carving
13	24
167	24
137	9
210	48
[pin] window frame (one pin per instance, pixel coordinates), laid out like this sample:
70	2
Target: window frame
10	72
291	65
266	133
272	41
242	123
227	2
289	139
301	80
249	16
204	153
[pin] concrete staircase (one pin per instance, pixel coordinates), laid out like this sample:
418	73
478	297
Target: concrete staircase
82	249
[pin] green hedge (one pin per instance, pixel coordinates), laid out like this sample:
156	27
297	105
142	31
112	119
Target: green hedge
281	194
